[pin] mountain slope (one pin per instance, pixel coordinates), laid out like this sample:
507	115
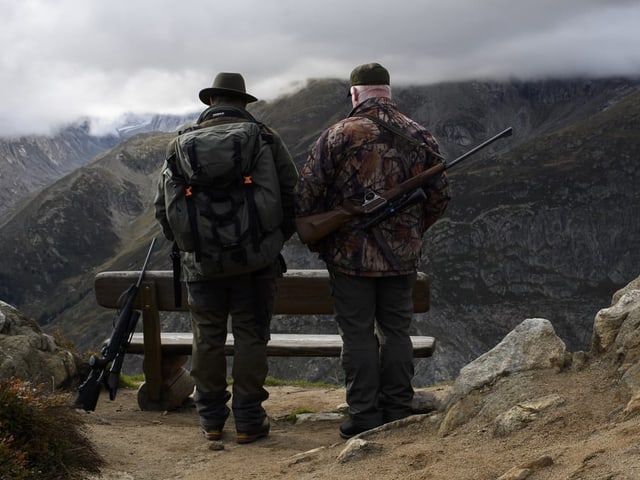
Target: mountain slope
540	225
545	230
30	163
99	213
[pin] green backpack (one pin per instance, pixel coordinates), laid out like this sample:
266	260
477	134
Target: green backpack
222	196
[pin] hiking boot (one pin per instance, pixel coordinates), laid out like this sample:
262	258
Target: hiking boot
251	436
213	435
348	429
212	429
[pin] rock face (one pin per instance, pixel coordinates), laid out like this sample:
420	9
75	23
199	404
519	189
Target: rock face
29	354
616	334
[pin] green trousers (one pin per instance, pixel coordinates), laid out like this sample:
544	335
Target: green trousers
246	304
374	316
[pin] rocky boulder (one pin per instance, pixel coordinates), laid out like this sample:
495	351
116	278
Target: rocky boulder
26	352
616	335
531	345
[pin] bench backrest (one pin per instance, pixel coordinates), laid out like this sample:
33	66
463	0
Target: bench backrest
300	292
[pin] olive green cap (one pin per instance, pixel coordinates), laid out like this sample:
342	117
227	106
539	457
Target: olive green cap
369	74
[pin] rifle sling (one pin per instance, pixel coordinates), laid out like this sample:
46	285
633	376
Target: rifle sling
177	286
385	248
375	230
400	133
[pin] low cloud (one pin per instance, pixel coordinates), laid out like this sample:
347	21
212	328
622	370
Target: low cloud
72	58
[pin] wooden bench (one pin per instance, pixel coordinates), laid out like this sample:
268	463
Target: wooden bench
167	384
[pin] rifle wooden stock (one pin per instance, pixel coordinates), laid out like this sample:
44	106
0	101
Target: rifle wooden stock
314	227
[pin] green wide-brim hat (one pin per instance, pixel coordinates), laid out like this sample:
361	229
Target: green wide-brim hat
226	84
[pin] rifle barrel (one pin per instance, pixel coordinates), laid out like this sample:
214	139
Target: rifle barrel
507	132
113	352
314	227
146	261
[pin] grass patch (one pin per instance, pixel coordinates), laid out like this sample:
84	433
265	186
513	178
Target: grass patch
134	381
275	382
131	382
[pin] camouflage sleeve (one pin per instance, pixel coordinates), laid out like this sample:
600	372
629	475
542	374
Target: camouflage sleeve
312	183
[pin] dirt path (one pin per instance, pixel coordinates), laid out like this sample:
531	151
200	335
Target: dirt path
166	445
585	436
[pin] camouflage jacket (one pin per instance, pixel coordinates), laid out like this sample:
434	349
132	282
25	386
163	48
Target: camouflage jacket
357	154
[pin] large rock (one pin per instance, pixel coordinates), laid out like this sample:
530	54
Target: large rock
29	354
616	335
531	345
614	328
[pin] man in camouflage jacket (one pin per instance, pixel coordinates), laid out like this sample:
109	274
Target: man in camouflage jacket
372	271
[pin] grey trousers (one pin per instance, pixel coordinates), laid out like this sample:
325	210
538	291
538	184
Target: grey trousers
249	300
374	315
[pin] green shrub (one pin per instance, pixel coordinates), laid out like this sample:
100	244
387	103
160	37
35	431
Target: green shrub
41	436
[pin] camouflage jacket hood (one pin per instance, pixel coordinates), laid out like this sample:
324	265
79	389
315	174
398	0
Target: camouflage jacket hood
357	154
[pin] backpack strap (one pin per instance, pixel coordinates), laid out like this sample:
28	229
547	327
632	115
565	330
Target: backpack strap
193	221
177	286
193	161
248	187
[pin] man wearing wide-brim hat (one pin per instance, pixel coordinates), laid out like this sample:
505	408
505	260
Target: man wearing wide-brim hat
247	297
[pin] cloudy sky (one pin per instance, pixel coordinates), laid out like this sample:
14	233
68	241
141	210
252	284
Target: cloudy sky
63	59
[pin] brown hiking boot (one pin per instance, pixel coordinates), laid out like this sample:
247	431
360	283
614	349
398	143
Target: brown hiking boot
251	436
213	435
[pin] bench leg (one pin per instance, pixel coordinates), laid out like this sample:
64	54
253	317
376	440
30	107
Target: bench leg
176	388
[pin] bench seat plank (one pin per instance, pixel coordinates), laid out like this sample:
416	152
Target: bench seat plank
280	345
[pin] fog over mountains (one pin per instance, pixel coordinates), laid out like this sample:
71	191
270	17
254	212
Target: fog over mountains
543	224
